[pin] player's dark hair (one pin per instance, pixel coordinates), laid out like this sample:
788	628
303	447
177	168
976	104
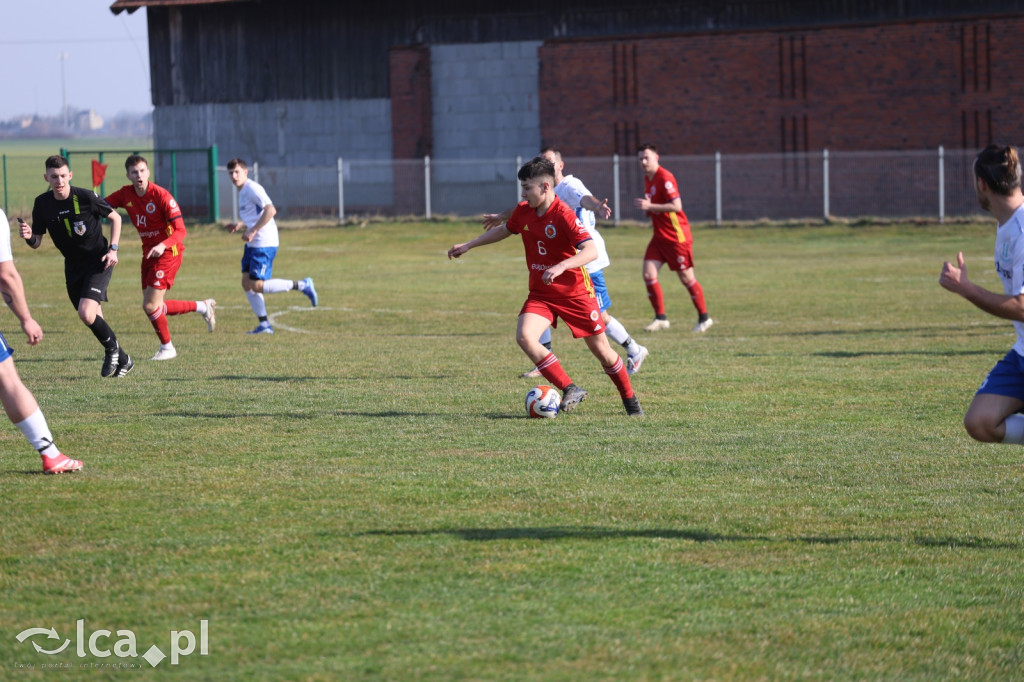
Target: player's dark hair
537	167
554	150
645	147
135	160
56	161
999	168
237	163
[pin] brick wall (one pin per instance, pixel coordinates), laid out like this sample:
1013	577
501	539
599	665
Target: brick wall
913	85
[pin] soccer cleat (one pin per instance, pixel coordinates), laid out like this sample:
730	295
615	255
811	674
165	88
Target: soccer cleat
703	326
209	315
309	290
59	463
573	396
657	324
633	362
125	364
165	354
532	374
110	360
632	406
262	328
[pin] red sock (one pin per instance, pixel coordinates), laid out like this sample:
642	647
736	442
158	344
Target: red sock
159	322
180	307
552	370
656	297
620	377
697	296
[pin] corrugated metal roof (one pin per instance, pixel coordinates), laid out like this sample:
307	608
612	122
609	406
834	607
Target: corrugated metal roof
132	5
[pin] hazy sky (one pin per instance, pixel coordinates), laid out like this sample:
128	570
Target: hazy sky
106	67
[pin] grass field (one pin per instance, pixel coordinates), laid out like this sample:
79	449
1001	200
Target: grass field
360	496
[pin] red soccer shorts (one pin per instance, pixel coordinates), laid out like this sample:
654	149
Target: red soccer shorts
159	272
678	256
579	313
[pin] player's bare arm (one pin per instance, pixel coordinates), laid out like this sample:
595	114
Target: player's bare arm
600	208
671	207
587	252
110	257
13	291
954	278
495	234
495	219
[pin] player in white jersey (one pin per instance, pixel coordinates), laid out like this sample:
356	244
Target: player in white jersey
574	193
257	212
994	415
19	403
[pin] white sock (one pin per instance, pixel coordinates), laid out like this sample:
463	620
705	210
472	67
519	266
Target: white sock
167	346
277	286
38	433
256	302
545	338
201	307
619	335
1014	429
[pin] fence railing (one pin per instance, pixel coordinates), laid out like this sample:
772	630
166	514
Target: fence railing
715	187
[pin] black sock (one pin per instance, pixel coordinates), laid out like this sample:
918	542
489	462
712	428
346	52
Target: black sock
702	317
103	333
661	317
263	318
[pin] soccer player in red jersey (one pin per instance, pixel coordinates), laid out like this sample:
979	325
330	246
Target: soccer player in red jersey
157	217
671	242
558	247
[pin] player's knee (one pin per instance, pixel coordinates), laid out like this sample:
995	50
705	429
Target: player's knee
980	427
150	308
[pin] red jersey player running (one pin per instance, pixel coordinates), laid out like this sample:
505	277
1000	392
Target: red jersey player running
557	247
671	242
157	217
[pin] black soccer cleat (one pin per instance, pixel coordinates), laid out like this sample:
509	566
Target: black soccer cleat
111	360
124	365
632	406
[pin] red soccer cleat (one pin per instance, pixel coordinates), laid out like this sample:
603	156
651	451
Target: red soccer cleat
60	463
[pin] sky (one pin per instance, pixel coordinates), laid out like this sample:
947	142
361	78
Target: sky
106	63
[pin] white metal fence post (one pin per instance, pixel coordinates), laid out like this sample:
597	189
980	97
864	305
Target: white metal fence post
615	185
718	188
515	176
256	171
426	183
824	183
341	192
942	185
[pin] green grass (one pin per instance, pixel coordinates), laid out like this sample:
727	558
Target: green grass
360	496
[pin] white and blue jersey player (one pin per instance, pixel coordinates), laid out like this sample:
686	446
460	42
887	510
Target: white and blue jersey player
994	415
575	194
257	211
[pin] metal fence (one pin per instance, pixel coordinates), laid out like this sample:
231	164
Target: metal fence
715	188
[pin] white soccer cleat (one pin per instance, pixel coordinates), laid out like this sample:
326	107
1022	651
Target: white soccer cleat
165	354
633	362
657	324
209	315
703	326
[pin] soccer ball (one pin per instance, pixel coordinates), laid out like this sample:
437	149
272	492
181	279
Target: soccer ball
543	402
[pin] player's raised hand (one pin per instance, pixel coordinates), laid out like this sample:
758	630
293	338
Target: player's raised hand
24	230
604	210
954	277
491	220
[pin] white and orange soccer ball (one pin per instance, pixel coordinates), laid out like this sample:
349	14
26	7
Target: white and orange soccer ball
543	402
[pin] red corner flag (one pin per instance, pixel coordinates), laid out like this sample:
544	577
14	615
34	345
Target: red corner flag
99	171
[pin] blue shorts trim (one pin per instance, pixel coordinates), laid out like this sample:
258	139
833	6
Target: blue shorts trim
604	301
259	261
5	350
1006	378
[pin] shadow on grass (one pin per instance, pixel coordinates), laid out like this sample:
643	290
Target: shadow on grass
938	353
600	533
